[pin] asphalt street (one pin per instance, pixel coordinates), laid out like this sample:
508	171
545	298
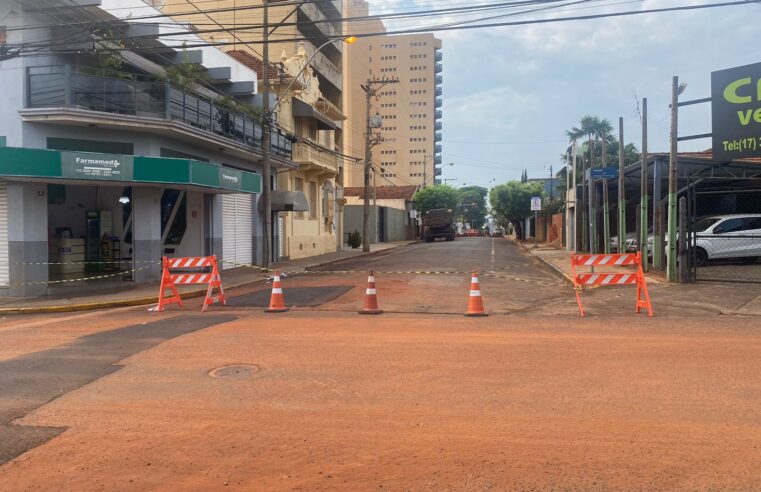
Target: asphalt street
319	398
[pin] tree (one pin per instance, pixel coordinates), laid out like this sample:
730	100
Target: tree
472	205
511	202
437	196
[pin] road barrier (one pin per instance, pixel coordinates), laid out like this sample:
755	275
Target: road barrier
581	279
277	299
475	303
371	297
170	280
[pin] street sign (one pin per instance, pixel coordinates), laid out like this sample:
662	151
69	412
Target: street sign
603	173
736	112
536	203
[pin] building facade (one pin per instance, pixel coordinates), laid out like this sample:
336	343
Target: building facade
113	158
312	111
308	216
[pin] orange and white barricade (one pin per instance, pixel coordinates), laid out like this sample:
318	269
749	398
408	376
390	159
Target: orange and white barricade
170	280
591	261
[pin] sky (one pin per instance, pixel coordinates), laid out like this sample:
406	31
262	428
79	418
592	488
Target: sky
510	93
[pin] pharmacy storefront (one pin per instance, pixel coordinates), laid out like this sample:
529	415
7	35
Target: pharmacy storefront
88	220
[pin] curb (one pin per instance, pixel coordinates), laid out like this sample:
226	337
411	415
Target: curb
143	301
360	255
553	267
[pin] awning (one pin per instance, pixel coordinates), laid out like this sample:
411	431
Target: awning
288	201
94	168
304	110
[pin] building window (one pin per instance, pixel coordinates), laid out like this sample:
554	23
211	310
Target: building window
313	199
298	185
174	216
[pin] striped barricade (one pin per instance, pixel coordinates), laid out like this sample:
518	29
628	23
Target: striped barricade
169	280
581	279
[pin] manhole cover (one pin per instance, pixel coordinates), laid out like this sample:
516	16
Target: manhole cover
234	371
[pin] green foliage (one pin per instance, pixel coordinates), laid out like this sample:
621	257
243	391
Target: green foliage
511	202
355	239
472	205
433	197
186	75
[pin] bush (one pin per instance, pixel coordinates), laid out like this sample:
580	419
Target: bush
355	239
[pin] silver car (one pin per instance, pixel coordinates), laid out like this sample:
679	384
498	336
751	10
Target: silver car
728	236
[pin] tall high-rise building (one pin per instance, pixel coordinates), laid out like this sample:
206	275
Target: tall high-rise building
411	109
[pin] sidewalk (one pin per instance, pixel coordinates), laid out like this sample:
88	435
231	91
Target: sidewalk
145	294
718	297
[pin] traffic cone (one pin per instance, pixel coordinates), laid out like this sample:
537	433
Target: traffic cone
371	297
475	303
277	300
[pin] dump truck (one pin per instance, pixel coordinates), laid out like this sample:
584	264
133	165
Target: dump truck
438	223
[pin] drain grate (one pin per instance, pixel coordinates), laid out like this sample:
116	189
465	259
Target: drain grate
234	371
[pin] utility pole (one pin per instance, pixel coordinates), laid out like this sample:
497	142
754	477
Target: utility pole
621	189
605	207
643	189
371	88
266	137
671	257
591	200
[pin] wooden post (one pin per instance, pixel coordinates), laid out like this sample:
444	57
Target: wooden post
684	257
643	190
621	189
673	160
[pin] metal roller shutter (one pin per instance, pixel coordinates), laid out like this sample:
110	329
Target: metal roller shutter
237	230
3	234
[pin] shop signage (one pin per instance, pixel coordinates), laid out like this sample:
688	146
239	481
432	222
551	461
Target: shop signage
112	167
536	203
736	112
603	173
230	179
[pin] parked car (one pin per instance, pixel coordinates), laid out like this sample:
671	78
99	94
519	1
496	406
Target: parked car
728	236
632	243
497	233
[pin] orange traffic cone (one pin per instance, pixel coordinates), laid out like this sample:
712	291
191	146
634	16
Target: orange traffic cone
475	303
371	297
277	300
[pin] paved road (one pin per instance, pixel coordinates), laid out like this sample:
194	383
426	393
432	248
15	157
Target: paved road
422	398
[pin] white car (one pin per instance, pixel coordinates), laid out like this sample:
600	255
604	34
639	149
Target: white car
631	243
728	236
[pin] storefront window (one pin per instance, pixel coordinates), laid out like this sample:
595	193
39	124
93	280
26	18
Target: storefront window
174	220
126	200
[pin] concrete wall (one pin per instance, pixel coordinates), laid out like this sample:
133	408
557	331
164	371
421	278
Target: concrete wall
396	224
353	219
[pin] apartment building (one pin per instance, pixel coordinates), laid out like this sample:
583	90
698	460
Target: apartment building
411	109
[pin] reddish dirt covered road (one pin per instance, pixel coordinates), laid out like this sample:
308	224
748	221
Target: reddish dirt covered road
323	399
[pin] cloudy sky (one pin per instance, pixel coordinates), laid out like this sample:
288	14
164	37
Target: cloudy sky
510	93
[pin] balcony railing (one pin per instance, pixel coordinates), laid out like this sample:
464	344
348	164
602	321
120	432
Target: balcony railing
438	92
437	160
438	56
437	137
438	68
437	103
437	114
439	80
303	153
438	126
437	148
62	86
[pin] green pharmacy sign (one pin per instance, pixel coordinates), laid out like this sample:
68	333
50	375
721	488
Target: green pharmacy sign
111	167
736	112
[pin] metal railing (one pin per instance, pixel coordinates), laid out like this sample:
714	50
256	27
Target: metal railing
439	79
127	94
437	103
438	68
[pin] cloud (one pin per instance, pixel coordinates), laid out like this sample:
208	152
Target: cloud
526	85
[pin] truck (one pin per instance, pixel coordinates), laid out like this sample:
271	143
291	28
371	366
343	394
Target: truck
438	223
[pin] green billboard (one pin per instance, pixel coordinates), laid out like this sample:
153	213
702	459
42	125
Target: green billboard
736	112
